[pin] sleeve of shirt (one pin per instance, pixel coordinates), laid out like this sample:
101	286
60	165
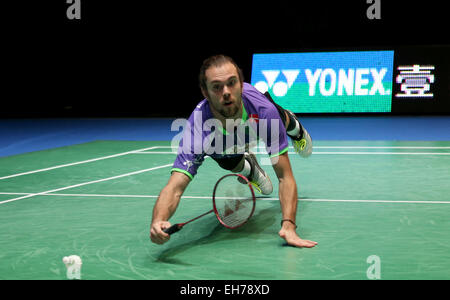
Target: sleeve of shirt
271	128
190	154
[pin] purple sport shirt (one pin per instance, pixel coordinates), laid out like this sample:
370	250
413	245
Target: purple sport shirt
204	136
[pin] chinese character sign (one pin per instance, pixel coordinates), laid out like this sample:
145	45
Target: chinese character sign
415	81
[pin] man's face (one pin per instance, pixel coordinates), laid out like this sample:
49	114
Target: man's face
224	90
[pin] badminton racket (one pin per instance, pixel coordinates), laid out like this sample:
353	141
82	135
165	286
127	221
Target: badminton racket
233	203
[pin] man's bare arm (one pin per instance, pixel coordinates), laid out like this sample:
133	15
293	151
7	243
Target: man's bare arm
288	201
166	205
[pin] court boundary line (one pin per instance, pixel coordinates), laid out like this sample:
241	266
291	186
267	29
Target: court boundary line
85	183
333	153
352	147
141	151
78	163
209	197
330	153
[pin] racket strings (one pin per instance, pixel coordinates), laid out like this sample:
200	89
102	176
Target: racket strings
234	200
234	212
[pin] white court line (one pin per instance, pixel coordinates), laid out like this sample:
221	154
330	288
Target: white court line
259	199
329	153
352	147
377	147
85	183
381	153
78	163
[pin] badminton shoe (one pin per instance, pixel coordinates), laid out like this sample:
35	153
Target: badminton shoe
302	144
258	177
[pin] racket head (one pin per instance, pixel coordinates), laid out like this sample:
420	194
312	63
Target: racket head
233	200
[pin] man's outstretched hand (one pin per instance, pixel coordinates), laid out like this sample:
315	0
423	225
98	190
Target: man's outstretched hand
291	237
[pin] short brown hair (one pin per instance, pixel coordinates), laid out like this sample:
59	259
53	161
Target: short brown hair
216	60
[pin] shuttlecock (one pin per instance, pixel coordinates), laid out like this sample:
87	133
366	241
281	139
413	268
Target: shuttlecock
73	265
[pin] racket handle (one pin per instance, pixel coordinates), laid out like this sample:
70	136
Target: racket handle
172	229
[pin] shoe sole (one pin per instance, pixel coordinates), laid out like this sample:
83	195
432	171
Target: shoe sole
255	163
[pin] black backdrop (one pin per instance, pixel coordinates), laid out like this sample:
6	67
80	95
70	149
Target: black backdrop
141	58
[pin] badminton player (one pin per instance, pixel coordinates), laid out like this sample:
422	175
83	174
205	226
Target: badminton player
229	103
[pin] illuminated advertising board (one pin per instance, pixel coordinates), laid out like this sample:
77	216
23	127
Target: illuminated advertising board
405	80
327	82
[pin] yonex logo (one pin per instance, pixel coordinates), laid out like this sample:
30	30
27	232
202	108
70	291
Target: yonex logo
279	88
328	82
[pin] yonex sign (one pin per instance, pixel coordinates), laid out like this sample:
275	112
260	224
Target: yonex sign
327	81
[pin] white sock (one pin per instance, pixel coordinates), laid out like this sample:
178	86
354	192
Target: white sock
246	169
296	131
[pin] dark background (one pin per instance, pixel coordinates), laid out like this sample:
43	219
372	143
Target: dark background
437	56
141	58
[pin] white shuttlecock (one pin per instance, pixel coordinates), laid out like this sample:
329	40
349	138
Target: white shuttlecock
73	264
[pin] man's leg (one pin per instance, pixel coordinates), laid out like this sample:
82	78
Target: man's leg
301	140
247	165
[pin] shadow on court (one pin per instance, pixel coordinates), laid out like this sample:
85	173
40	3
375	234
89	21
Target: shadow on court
260	221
